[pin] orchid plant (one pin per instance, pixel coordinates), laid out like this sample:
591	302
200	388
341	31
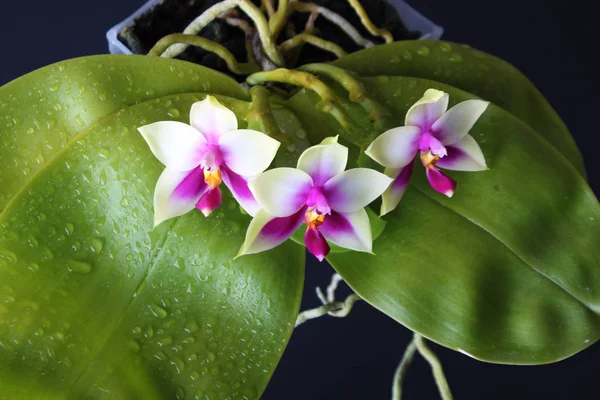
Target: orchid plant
99	297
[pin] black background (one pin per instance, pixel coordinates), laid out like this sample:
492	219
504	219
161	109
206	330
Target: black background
552	42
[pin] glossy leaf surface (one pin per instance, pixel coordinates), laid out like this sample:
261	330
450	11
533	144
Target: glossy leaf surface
474	71
94	303
42	111
507	270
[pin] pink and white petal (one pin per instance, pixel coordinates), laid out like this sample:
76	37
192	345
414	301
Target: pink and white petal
395	148
238	185
394	193
355	189
210	201
458	121
465	155
441	182
177	193
247	152
324	161
351	231
266	232
212	119
177	145
428	109
281	191
316	244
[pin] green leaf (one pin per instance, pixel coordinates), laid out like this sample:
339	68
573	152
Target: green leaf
94	303
42	111
473	71
508	269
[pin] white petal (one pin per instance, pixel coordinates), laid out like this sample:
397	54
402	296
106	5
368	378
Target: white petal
177	145
465	155
351	231
266	232
324	161
458	121
238	185
247	152
428	109
395	148
355	189
212	119
394	193
177	193
281	191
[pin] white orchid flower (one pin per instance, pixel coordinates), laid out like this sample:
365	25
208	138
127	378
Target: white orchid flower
329	200
442	137
199	156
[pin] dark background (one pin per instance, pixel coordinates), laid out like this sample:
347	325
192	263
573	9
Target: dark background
552	42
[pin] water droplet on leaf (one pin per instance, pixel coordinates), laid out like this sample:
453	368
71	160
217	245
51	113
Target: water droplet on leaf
79	267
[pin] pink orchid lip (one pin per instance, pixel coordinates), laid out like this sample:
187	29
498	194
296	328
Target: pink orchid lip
441	182
210	201
315	215
316	243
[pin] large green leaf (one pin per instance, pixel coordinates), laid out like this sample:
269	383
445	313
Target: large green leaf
94	303
507	270
42	111
473	71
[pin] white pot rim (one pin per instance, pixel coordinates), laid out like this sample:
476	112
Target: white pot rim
412	19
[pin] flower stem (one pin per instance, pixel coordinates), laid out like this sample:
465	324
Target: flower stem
366	21
355	89
305	80
335	19
400	373
304	37
213	12
208	45
260	112
436	366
